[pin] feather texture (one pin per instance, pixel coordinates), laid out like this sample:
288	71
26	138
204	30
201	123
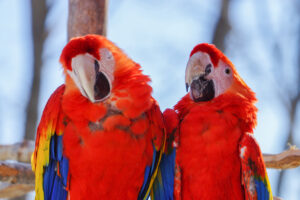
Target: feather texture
163	187
254	177
215	155
213	134
105	150
48	162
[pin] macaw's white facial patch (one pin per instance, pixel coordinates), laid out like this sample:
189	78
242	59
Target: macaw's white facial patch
206	80
107	63
222	77
93	77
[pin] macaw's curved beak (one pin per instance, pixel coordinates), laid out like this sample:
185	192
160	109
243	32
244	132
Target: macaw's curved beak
91	81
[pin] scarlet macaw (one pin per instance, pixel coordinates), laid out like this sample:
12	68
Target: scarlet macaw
101	134
211	150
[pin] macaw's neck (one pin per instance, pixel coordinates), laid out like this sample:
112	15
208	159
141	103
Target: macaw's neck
130	95
241	108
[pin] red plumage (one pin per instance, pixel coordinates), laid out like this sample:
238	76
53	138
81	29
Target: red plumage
109	150
208	152
78	46
214	53
110	143
216	158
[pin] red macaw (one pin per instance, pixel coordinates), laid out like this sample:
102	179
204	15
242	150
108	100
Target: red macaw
214	154
101	134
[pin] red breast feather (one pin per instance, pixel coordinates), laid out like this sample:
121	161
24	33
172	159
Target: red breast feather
109	148
208	152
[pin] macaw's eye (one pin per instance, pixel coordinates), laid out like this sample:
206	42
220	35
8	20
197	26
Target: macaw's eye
227	71
207	69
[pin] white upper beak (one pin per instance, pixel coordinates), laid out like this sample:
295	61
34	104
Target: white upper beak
84	73
196	67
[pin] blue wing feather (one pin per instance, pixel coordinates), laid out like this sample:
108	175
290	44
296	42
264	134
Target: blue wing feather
158	142
146	176
149	174
261	190
48	162
55	183
163	187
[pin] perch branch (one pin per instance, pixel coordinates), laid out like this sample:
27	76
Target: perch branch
16	179
19	152
285	160
277	198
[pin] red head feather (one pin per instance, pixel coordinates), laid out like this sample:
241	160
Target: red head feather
214	53
80	45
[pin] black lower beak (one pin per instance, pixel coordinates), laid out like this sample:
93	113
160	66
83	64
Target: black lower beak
202	89
101	87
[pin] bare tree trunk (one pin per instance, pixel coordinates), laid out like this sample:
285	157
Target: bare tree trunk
87	17
222	27
38	16
39	11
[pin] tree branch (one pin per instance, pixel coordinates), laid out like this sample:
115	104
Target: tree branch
16	179
16	173
277	198
285	160
20	152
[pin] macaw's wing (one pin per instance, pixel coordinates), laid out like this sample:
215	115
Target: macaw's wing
163	188
254	175
157	129
48	162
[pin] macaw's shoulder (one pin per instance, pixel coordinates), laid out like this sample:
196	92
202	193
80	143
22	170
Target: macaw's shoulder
48	124
52	108
171	120
157	129
48	162
156	123
254	175
250	152
172	129
163	187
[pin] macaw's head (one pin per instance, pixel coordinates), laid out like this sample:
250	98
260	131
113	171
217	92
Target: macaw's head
209	74
98	74
90	63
